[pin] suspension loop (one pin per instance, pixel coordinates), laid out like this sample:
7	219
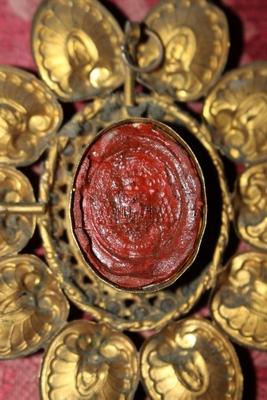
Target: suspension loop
133	33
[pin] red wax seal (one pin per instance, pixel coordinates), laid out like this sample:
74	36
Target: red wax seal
138	205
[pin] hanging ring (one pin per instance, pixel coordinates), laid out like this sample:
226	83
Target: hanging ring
132	38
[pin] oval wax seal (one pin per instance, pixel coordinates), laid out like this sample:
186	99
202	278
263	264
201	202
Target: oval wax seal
138	205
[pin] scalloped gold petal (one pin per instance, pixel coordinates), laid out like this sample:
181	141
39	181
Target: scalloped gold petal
32	306
251	205
76	46
239	301
195	38
16	230
88	360
190	359
29	117
236	110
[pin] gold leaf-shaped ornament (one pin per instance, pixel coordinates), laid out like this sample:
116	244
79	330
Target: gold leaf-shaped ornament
190	359
15	229
29	117
76	46
89	361
196	41
32	306
236	111
238	303
251	206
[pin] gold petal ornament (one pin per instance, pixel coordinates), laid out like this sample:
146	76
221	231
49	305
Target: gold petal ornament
179	54
76	46
236	110
89	361
196	43
190	359
251	206
29	117
32	306
239	301
16	229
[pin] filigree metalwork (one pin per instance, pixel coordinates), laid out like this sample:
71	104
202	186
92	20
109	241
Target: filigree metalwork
76	45
32	306
123	309
195	38
29	117
88	360
251	206
190	359
236	110
239	301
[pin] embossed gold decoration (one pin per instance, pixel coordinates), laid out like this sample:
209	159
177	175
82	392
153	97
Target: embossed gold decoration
195	38
239	300
76	45
236	110
88	360
32	307
251	205
16	229
29	117
190	359
81	53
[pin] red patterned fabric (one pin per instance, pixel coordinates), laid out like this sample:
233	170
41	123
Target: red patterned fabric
19	378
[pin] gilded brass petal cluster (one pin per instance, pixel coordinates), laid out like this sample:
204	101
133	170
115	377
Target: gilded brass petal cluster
195	39
251	205
190	359
76	45
32	306
16	229
236	110
77	49
239	303
29	117
88	360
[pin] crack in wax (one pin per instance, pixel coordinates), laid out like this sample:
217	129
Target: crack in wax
137	205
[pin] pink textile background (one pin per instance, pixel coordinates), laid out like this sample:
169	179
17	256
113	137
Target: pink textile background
248	18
